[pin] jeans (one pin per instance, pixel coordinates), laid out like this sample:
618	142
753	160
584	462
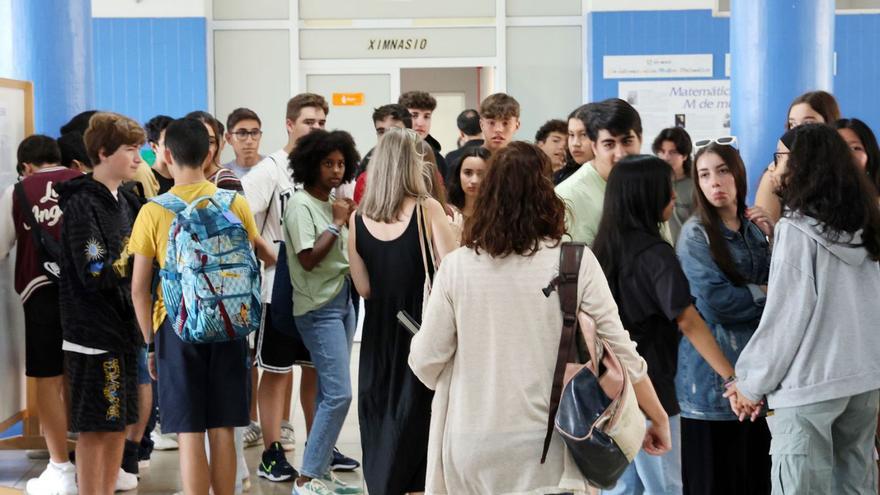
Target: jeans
826	447
328	333
654	475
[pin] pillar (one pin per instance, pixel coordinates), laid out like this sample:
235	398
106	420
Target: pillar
53	49
779	49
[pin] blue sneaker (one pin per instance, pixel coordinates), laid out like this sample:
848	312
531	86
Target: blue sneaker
342	463
274	466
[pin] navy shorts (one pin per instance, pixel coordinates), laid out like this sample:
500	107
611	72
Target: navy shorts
201	386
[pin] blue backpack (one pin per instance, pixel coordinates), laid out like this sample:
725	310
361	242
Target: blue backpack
211	279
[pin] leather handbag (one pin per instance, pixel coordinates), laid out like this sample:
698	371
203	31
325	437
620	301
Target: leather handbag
592	405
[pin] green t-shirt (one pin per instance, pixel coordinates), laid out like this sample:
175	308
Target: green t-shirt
584	196
305	220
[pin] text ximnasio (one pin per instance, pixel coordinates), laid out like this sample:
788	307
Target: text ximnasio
398	44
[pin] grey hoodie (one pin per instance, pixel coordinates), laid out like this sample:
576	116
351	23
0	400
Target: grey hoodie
819	337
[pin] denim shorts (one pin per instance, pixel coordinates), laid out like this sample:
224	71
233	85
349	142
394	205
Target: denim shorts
143	369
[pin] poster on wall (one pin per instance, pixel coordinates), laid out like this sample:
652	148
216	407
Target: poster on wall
701	107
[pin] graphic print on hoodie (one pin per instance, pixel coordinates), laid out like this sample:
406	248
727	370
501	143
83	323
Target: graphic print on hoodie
95	292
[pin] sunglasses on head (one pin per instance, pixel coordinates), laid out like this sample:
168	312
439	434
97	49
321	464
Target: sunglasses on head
726	140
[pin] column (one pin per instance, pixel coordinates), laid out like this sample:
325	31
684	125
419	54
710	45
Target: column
779	49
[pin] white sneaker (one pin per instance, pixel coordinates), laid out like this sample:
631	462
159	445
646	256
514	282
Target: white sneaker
126	481
253	435
288	438
163	441
55	480
313	487
340	487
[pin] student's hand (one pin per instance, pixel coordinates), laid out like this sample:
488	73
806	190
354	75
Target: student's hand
151	366
759	217
741	405
341	211
658	438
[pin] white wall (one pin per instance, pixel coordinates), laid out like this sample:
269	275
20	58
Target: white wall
149	8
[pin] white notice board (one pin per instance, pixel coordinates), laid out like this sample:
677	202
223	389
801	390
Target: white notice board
701	107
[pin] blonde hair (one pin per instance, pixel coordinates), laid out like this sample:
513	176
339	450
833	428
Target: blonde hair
397	171
435	187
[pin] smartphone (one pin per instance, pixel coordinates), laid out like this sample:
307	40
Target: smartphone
408	322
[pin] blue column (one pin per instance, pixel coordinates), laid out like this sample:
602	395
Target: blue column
779	49
53	48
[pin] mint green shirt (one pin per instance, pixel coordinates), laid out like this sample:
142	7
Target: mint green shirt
305	220
584	196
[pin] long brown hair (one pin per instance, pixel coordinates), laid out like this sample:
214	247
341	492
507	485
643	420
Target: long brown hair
708	214
517	208
822	102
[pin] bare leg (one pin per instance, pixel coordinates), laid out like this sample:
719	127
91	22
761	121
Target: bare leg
135	432
194	470
223	460
255	378
308	393
115	444
52	409
271	393
98	455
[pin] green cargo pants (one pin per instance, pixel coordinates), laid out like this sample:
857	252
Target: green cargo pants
825	448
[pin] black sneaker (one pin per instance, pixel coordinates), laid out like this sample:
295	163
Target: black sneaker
274	466
342	463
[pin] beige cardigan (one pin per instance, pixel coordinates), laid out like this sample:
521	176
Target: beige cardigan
488	346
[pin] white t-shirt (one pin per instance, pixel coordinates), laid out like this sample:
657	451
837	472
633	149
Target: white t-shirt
267	188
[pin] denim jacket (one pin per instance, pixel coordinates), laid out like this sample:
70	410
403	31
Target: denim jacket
732	312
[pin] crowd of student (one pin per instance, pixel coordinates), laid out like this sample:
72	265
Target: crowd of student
774	384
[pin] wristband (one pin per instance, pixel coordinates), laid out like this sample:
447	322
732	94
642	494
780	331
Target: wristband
151	346
333	229
729	382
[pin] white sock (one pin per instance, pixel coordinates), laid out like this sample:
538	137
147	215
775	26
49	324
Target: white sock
61	466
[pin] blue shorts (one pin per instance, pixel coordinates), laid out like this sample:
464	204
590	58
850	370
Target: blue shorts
143	370
201	386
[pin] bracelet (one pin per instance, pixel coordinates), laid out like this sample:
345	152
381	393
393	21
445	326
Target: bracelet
730	381
151	346
333	229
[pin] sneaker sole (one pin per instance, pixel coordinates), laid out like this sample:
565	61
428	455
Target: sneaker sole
344	468
272	477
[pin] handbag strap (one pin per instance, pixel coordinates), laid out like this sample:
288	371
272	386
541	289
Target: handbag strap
567	284
425	242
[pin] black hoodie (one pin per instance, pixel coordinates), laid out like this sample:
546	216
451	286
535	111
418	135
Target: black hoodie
441	162
95	288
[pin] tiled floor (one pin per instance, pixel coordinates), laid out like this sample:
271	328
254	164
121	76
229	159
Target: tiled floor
163	475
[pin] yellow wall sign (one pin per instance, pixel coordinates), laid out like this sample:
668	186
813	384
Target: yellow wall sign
348	99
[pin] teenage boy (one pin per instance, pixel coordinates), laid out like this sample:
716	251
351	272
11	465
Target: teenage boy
384	118
100	332
499	120
552	138
31	205
243	133
155	128
615	131
469	135
73	152
204	386
421	106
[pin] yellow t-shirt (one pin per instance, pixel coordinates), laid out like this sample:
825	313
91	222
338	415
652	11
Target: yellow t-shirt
149	236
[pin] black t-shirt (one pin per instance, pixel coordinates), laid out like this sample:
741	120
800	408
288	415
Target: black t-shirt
165	185
651	291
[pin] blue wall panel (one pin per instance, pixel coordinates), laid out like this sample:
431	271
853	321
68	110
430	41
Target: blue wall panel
697	31
857	84
150	66
655	33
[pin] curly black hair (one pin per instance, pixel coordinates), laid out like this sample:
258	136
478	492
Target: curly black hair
822	181
311	149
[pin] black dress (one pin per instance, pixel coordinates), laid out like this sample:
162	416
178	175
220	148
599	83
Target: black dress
394	407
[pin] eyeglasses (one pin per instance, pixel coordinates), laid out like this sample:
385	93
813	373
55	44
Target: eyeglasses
725	141
243	134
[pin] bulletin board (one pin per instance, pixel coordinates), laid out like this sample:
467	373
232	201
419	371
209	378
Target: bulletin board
16	394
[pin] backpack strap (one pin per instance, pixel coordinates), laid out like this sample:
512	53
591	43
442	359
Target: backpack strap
170	202
224	198
566	283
